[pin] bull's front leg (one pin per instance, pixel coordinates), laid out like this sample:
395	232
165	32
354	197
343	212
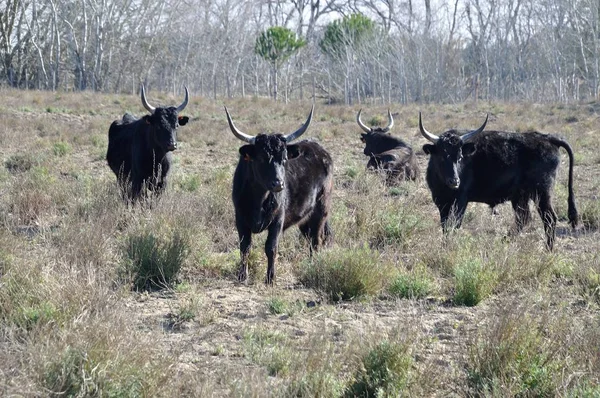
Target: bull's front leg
245	236
451	214
275	230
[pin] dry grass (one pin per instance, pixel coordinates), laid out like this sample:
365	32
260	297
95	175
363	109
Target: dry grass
479	312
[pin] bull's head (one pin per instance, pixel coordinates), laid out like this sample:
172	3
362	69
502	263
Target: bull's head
370	134
447	152
164	122
268	154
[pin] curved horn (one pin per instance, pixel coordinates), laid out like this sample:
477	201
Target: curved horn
242	136
475	132
361	124
390	122
431	137
148	107
185	101
291	137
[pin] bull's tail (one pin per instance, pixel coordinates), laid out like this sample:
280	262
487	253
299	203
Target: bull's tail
573	217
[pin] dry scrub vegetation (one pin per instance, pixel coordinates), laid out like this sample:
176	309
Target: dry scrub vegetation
98	299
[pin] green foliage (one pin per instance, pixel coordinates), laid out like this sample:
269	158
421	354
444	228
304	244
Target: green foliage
515	357
276	44
61	148
346	274
268	349
395	227
81	373
590	215
276	306
473	282
317	384
413	285
384	372
350	32
189	183
154	262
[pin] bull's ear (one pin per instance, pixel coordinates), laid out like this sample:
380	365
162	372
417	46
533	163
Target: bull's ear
247	152
363	137
293	151
183	120
468	149
147	119
429	149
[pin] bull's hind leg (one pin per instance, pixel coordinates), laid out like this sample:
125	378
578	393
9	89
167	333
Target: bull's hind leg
548	216
317	231
522	214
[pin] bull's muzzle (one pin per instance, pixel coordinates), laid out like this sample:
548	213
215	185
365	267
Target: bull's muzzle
453	182
172	146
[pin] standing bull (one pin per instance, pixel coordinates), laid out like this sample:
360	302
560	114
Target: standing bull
139	150
387	153
493	167
277	185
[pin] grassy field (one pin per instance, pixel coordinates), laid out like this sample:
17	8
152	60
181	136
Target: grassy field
392	308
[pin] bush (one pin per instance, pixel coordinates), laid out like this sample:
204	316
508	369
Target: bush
516	356
472	282
384	372
414	285
346	274
61	148
155	262
20	162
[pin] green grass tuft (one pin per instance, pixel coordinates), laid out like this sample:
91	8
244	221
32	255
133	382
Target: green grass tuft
154	262
346	274
384	372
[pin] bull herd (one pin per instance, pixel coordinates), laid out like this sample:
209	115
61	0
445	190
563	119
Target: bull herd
278	183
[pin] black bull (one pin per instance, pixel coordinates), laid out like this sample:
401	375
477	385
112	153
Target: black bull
494	167
276	185
139	150
387	153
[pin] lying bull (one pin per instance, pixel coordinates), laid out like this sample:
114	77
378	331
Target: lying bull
388	154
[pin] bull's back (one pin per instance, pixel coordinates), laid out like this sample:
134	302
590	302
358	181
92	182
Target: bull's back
118	154
507	164
309	179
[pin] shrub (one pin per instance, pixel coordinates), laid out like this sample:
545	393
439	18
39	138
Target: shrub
346	274
395	227
20	162
413	285
154	262
516	356
473	282
384	372
590	215
61	148
190	183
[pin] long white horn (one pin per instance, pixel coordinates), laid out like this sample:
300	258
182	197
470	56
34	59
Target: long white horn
242	136
148	107
431	137
185	101
475	132
361	124
390	122
291	137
